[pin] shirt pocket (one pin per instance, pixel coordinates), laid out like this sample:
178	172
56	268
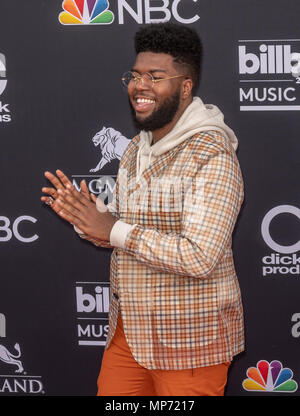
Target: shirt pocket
186	312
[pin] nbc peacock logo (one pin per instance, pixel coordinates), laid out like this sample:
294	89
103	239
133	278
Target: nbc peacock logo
270	377
86	12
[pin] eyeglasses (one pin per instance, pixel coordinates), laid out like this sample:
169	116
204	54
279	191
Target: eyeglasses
147	79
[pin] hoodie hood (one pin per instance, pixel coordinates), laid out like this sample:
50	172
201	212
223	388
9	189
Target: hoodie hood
198	117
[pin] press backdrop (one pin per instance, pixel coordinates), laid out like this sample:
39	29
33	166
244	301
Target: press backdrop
60	85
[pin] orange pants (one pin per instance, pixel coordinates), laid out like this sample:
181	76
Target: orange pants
121	375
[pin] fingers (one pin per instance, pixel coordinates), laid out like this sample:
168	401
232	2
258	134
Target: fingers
63	208
64	179
47	199
93	198
52	204
51	197
70	203
62	182
84	189
64	196
69	216
59	182
50	191
77	196
54	180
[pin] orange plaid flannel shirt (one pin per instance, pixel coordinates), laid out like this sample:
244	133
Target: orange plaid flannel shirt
175	281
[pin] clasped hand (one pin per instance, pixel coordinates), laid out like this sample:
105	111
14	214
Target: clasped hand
78	208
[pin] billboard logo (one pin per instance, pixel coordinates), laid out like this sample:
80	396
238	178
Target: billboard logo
272	59
92	303
96	12
270	377
78	12
269	71
283	260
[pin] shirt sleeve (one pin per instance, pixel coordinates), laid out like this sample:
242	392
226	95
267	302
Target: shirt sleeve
208	219
119	233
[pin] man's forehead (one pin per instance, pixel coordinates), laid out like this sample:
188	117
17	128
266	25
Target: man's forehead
147	61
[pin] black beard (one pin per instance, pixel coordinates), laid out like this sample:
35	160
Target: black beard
160	117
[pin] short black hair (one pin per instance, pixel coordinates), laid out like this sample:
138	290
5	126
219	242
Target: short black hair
179	41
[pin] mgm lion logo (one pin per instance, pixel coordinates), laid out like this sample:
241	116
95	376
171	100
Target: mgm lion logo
9	358
112	146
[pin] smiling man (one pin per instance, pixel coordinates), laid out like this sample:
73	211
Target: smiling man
157	109
176	319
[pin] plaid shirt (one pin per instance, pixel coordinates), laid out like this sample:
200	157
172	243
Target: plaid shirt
175	280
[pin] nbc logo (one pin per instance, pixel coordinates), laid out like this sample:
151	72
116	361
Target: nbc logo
86	12
78	12
270	377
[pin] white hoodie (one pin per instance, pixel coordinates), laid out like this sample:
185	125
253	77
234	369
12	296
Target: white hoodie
198	117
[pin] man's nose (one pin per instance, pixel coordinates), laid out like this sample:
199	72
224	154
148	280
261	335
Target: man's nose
142	84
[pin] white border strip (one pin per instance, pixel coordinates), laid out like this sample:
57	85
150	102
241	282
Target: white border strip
19	376
96	343
270	108
267	80
93	283
269	40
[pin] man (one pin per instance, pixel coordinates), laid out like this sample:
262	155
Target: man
175	319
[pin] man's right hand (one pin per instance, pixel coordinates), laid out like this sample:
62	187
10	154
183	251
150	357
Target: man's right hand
61	182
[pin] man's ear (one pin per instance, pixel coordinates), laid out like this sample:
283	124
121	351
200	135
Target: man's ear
187	87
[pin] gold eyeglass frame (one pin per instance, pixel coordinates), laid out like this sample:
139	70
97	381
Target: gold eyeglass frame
138	78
